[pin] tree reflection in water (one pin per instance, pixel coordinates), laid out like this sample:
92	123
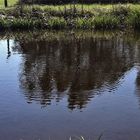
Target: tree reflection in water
76	67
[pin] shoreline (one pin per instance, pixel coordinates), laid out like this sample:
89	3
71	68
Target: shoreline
98	17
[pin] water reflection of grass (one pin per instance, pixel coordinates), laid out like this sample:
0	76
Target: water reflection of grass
78	16
41	35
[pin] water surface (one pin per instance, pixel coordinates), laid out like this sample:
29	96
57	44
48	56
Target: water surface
54	85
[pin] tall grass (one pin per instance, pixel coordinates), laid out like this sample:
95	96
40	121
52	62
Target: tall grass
77	1
133	19
71	16
106	22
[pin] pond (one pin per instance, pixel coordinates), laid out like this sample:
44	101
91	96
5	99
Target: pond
57	85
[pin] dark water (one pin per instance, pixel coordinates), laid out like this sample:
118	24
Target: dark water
57	85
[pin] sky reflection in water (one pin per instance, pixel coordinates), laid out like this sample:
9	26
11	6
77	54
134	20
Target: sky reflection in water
66	84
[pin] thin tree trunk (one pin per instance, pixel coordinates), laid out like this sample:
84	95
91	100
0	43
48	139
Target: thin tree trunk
5	3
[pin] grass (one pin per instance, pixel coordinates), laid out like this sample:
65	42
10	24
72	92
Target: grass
94	16
10	3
